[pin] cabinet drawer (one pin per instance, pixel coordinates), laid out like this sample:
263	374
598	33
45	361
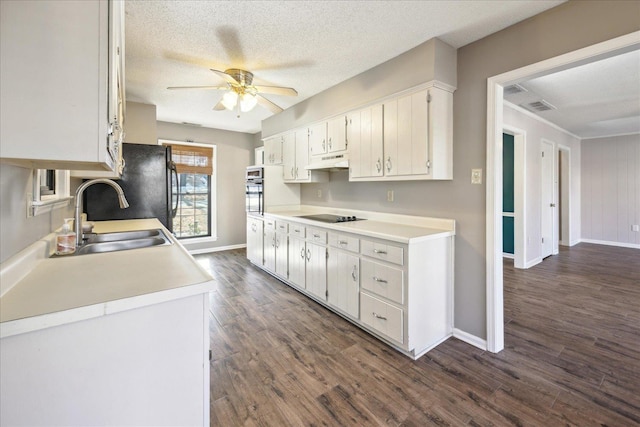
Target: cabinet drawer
381	316
297	230
384	252
269	224
345	242
282	226
382	280
317	235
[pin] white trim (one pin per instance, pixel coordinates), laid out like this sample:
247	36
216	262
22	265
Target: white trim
508	214
610	243
611	136
567	197
554	195
186	241
507	255
540	119
533	262
470	339
216	249
519	194
609	48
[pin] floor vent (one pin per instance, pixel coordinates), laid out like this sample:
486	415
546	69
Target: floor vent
539	106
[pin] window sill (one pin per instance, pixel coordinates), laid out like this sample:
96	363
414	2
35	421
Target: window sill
38	208
195	240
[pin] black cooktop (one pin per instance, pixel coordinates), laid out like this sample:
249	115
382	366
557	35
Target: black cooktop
331	218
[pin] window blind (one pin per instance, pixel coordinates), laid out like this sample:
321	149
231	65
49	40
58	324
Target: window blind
192	158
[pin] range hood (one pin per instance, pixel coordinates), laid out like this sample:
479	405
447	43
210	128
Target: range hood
330	162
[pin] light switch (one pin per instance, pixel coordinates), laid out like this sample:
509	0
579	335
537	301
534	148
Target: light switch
476	176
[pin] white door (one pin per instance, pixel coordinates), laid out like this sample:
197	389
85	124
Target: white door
548	208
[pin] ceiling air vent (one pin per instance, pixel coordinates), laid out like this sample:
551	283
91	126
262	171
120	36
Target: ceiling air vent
513	89
538	106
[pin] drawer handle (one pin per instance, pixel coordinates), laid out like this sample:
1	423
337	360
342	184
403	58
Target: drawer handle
317	236
308	255
379	280
354	275
302	253
377	316
379	251
342	242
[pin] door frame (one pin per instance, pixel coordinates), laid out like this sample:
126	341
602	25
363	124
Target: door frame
554	197
519	194
564	195
495	85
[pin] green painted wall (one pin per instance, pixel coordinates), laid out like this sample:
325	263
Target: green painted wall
507	193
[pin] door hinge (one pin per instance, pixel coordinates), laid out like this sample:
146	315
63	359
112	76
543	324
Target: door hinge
543	240
326	294
326	251
428	97
543	154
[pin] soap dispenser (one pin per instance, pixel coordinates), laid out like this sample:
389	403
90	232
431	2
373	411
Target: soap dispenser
66	239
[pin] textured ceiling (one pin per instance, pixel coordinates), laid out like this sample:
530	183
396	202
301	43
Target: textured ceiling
593	100
307	45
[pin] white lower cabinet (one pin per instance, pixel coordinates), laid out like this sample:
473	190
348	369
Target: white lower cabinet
255	240
269	256
343	282
401	293
282	254
316	270
297	261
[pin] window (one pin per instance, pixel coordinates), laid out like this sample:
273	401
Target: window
194	190
50	191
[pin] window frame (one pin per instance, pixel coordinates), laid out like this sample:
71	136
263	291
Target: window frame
213	193
38	203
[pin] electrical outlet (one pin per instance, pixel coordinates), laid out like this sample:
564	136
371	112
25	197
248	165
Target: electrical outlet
319	194
390	196
635	227
476	176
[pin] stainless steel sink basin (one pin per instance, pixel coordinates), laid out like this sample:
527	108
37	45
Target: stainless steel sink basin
120	245
124	235
122	241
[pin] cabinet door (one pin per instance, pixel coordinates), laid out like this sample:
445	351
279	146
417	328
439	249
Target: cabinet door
354	139
337	134
302	155
282	250
366	150
317	135
316	270
289	157
55	82
254	240
270	249
397	136
273	150
343	279
297	261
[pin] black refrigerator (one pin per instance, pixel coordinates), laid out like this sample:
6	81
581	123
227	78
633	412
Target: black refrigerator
147	184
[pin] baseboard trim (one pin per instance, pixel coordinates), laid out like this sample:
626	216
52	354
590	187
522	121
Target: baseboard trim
609	243
215	249
470	339
533	262
507	255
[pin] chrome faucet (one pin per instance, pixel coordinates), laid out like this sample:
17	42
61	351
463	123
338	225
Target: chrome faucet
78	209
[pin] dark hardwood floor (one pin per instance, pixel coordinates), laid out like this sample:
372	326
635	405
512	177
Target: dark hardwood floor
571	357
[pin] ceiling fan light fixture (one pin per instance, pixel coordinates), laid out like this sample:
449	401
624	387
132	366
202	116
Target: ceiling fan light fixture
247	102
230	100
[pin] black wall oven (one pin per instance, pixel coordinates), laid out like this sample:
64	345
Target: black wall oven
254	181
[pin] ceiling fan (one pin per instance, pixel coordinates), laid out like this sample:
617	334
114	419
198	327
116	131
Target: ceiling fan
241	94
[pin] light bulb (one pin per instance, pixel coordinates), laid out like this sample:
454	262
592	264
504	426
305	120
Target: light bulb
229	100
247	102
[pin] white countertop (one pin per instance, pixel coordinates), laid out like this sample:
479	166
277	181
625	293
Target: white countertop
70	288
393	227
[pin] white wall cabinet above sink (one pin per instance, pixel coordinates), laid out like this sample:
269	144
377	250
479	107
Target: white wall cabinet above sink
62	82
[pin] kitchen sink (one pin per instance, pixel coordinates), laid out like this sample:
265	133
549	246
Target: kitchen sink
122	241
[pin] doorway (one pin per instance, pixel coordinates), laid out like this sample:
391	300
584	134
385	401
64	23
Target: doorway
495	85
547	199
564	196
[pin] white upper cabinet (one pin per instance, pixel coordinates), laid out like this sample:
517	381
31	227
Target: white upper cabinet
62	83
408	137
418	135
295	159
273	150
365	137
318	139
337	134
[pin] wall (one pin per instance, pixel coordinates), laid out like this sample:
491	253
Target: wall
611	189
17	230
140	124
570	26
536	130
235	152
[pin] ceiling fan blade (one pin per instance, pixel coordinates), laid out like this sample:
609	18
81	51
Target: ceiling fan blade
219	106
225	76
268	104
277	90
199	87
